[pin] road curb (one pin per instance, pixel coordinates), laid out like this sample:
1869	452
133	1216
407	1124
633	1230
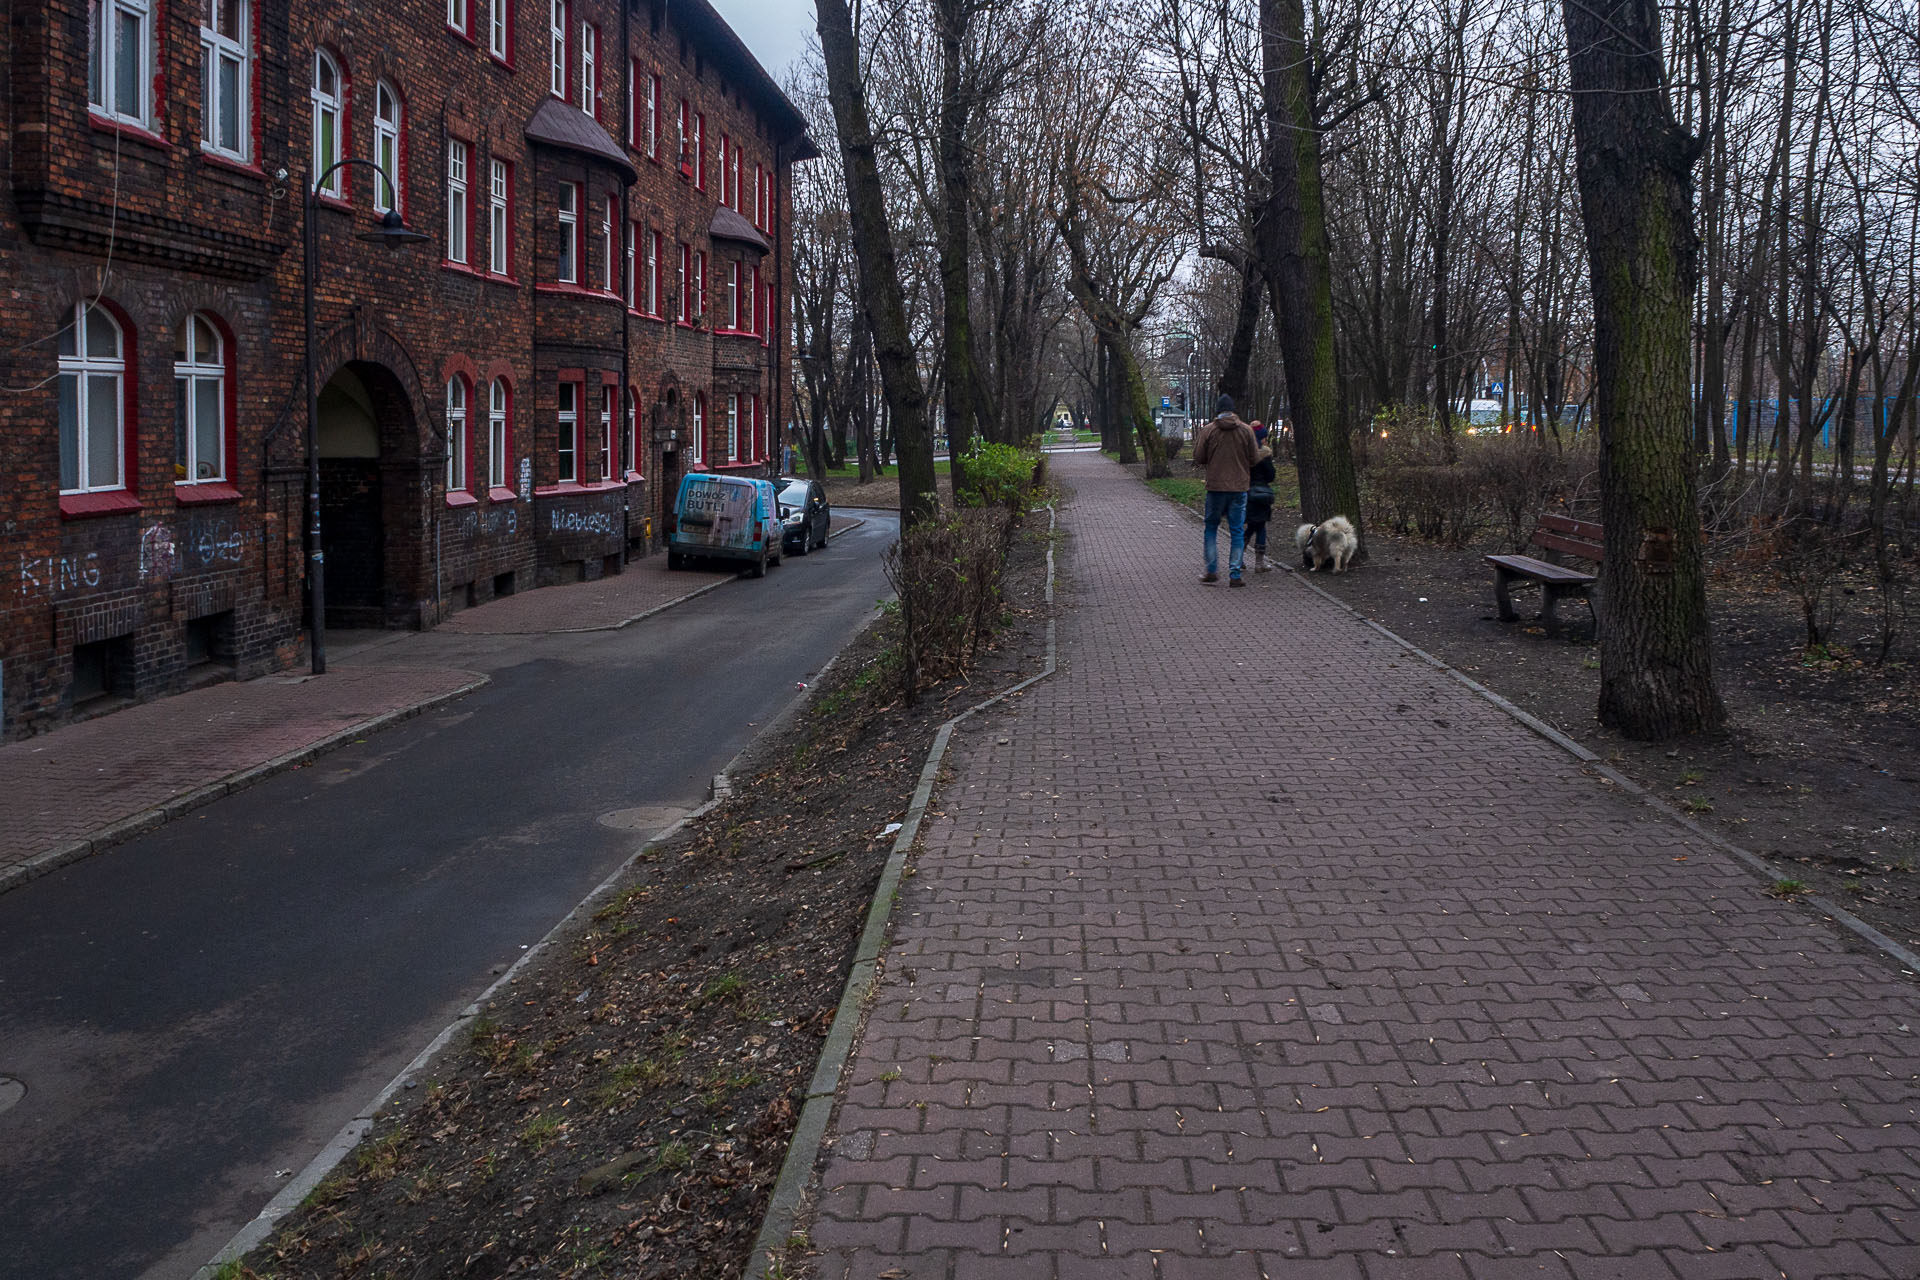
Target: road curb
803	1148
1906	958
289	1197
146	820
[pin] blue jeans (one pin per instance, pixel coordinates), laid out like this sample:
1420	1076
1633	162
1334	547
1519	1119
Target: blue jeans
1234	507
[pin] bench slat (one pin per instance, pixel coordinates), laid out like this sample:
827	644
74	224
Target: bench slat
1540	570
1588	530
1552	541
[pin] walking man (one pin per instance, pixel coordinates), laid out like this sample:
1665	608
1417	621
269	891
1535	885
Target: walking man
1226	449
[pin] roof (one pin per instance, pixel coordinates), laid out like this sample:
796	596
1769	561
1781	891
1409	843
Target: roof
556	124
728	225
729	52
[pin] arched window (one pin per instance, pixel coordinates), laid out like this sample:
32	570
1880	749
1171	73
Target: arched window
388	118
699	426
327	99
120	59
200	403
497	434
93	426
456	434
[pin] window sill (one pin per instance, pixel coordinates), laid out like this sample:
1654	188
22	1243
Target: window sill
459	268
207	491
231	165
634	477
568	488
338	204
80	506
501	494
462	36
510	282
500	63
461	498
580	291
131	132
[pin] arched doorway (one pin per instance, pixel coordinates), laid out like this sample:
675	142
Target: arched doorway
365	428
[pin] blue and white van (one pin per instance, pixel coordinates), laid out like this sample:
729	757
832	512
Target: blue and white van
720	517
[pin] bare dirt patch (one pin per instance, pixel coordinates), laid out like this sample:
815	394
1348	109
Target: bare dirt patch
623	1109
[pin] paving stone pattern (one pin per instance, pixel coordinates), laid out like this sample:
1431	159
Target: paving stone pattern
1249	946
76	781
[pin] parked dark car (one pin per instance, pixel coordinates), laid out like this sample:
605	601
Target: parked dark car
804	514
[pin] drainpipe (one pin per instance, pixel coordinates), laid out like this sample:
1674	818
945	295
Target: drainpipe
780	165
626	304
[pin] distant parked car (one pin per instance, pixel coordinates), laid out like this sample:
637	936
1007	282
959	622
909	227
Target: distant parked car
725	518
804	515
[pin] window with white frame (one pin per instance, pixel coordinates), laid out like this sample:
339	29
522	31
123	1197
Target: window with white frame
388	193
497	434
456	434
557	26
700	150
733	295
499	217
225	65
733	427
686	284
700	287
633	430
654	266
589	69
653	117
686	138
607	455
568	270
699	426
631	253
498	31
608	219
327	98
726	155
200	403
457	215
733	181
120	59
93	425
567	436
457	16
759	197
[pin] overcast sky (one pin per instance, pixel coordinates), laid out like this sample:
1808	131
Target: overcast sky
776	30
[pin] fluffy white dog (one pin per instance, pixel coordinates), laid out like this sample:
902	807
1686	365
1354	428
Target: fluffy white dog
1329	542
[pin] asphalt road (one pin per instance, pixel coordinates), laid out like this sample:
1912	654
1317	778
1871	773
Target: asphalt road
206	1006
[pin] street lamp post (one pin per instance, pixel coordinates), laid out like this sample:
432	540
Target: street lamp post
393	233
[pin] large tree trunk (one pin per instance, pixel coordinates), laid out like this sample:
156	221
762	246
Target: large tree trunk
1636	197
1246	324
1295	252
956	319
880	291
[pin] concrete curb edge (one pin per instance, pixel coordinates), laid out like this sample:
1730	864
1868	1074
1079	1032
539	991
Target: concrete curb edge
1908	960
146	820
803	1148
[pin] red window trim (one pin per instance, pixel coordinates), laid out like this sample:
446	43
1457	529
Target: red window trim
212	490
469	267
466	35
578	377
513	21
700	150
131	132
81	506
513	229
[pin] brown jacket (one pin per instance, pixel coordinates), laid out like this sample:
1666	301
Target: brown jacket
1226	448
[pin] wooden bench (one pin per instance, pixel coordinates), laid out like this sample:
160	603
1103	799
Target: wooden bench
1582	538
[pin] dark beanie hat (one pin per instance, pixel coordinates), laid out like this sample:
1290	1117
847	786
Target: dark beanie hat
1225	405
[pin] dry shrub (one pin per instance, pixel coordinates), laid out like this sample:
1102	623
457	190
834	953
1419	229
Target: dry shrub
947	574
1808	556
1497	479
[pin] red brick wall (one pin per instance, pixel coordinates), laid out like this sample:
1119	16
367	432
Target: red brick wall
162	230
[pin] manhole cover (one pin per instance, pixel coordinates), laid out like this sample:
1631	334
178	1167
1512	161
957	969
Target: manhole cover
647	817
11	1091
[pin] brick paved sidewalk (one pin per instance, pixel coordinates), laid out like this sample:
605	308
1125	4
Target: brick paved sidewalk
1249	946
79	789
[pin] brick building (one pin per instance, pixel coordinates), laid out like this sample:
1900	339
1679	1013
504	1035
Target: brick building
597	306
